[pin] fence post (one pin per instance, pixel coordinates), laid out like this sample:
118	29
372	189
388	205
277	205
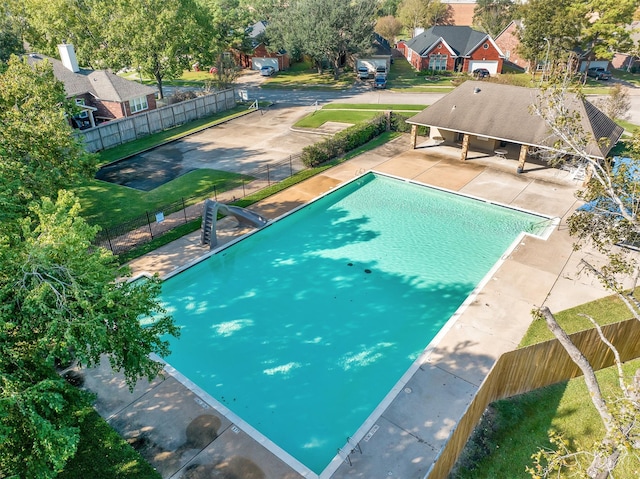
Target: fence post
149	224
109	239
184	210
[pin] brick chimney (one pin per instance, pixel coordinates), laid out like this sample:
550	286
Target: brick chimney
68	57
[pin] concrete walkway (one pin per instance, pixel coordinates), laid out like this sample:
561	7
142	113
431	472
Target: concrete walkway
186	434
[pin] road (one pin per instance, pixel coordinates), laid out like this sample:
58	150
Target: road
364	93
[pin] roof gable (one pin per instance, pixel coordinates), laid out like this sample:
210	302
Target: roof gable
504	112
101	84
461	39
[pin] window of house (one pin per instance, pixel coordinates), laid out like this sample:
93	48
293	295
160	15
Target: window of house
409	55
138	104
438	62
83	113
485	46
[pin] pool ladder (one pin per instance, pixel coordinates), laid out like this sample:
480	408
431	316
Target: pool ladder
354	447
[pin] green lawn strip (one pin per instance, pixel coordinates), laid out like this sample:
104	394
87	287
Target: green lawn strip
103	454
255	197
630	127
308	78
517	427
607	310
156	139
159	241
320	117
368	106
108	204
632	78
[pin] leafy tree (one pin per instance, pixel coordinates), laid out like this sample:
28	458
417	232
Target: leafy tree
158	37
84	23
224	23
37	154
617	104
325	30
492	16
61	297
388	27
612	221
605	31
10	35
388	7
421	13
559	21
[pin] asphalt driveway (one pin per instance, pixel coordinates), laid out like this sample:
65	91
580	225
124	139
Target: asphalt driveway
241	146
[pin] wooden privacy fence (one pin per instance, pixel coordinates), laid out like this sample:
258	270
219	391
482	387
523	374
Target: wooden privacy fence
533	367
123	130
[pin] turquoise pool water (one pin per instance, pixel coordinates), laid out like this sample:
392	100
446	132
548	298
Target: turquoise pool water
302	328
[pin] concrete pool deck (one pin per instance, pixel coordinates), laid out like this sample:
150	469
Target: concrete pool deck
184	436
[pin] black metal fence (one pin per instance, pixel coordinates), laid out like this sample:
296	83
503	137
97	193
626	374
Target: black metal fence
141	230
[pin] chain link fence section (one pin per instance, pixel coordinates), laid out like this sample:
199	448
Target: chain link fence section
141	230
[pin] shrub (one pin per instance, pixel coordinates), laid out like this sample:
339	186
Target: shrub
399	123
340	143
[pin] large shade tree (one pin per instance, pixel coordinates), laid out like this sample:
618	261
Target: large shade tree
61	298
325	30
421	13
492	16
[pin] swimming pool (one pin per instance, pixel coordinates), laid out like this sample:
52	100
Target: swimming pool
302	328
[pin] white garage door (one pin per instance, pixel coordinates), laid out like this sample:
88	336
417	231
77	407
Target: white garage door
492	66
258	62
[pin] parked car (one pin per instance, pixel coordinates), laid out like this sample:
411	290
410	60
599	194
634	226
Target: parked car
267	71
363	73
380	81
599	73
381	70
481	73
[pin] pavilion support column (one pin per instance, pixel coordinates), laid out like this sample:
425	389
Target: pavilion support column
522	159
414	136
465	148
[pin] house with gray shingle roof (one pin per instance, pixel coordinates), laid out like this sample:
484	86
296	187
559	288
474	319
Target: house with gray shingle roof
102	95
487	117
452	48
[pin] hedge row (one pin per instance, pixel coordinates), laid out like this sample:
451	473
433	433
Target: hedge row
344	141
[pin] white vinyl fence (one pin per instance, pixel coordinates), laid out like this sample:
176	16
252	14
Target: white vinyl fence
123	130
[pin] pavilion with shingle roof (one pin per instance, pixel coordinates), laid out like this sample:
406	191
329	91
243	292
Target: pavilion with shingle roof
487	116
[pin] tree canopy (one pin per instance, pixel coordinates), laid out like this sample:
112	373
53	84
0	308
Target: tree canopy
492	16
421	13
325	30
570	25
61	298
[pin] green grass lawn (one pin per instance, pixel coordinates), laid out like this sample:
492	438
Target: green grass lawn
605	311
304	75
108	204
318	118
517	427
350	113
632	78
103	454
376	106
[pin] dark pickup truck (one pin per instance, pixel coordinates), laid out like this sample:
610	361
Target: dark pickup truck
599	73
